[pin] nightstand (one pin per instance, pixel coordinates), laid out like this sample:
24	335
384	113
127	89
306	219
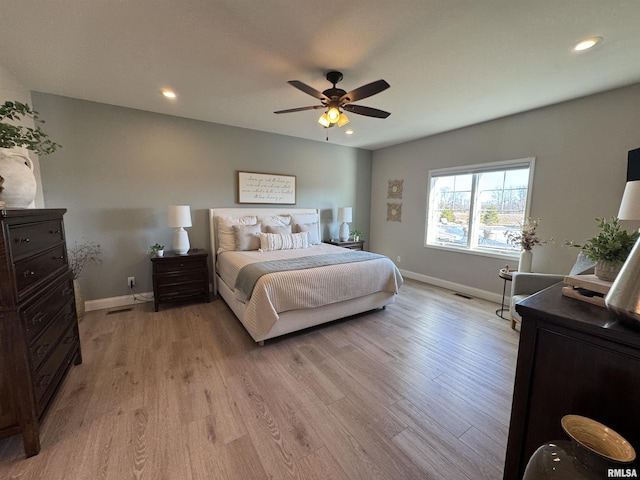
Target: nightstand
350	244
180	277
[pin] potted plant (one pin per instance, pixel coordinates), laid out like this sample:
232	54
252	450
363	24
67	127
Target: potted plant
157	250
82	254
356	235
609	248
17	183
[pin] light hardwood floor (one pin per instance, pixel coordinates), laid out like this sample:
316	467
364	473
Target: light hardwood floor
421	390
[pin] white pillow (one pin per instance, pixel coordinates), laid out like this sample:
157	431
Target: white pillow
312	228
247	237
226	235
283	241
304	218
274	221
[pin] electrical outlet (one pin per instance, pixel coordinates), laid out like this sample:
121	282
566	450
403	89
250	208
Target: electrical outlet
398	259
131	281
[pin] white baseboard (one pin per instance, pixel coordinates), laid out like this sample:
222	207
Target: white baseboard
456	287
123	300
120	301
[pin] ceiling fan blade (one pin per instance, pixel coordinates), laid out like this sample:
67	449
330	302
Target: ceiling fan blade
364	91
308	90
300	109
367	111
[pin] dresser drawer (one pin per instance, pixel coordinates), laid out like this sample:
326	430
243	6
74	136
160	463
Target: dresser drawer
35	269
45	343
171	290
46	378
179	264
38	315
30	238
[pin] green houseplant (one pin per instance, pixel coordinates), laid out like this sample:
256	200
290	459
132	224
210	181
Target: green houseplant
19	136
157	250
609	248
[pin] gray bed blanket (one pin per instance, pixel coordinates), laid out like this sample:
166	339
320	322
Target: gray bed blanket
249	274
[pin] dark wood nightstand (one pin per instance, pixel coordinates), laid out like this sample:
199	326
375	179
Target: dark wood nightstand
180	277
350	244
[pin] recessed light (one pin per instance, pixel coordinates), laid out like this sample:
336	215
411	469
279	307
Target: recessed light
168	93
348	132
587	43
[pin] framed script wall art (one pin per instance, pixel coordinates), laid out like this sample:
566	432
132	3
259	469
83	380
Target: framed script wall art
271	188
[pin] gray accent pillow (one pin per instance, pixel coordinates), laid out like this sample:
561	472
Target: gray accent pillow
279	229
247	236
312	228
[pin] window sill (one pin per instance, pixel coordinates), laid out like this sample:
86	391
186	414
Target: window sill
515	256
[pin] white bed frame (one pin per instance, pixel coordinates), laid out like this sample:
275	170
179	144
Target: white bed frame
293	320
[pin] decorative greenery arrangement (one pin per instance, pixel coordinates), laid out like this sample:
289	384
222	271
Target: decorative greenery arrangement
155	248
527	238
613	244
82	254
357	233
18	136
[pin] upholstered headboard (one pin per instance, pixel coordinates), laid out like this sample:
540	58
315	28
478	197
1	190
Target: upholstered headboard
244	211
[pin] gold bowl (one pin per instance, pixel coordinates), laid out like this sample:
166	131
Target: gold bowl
594	442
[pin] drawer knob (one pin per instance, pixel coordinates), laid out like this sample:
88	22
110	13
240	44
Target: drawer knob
43	381
61	257
54	232
23	240
67	291
42	349
28	273
38	318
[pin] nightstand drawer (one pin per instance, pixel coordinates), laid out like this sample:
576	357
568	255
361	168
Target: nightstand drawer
35	269
32	237
179	264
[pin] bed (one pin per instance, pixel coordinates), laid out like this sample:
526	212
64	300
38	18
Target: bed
271	268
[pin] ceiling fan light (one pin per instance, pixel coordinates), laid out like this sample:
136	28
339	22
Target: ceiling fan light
324	120
333	114
343	120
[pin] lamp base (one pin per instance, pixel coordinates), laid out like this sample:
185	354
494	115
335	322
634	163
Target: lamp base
181	241
344	232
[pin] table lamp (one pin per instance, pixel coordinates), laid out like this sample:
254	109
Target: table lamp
344	216
623	299
180	217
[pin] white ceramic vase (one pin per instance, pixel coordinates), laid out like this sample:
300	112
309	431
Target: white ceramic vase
526	257
17	181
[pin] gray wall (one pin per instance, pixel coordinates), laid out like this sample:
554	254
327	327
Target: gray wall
120	168
581	158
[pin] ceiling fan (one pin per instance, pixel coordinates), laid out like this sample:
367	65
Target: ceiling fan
334	100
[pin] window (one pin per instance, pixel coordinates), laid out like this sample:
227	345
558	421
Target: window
477	208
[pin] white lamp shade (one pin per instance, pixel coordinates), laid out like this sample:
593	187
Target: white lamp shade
179	216
630	205
345	214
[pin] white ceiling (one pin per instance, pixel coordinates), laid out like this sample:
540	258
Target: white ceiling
450	63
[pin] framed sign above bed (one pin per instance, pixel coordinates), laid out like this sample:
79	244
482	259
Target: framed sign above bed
271	188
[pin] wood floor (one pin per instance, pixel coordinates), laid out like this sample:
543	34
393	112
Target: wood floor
421	390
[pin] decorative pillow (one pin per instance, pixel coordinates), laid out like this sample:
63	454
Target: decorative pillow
247	237
274	221
226	235
283	241
304	218
312	228
279	229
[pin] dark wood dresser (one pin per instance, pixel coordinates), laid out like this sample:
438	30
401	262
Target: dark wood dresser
38	324
180	277
573	359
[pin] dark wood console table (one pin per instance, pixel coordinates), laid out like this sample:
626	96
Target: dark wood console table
573	358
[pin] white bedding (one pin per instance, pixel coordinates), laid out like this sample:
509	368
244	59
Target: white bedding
280	292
